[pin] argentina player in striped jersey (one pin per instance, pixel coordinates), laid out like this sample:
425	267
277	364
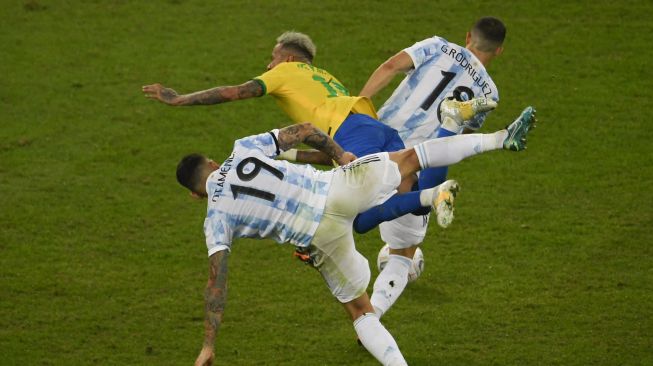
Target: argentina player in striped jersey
253	195
436	71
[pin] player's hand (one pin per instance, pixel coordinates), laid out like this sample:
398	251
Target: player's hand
160	93
205	357
346	158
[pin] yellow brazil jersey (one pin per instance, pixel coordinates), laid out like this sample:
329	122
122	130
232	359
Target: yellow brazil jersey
309	94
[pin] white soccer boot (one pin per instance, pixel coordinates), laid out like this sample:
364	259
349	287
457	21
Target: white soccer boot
454	114
443	202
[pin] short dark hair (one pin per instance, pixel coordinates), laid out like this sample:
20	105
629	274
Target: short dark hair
491	32
189	171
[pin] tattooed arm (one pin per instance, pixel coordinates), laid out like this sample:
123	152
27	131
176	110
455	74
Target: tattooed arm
215	95
310	156
215	297
308	134
313	157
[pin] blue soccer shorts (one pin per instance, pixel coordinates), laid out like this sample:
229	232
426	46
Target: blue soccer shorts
362	135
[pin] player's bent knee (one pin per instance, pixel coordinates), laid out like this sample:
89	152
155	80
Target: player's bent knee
351	281
404	232
405	252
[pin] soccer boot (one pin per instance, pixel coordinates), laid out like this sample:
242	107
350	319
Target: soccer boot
464	111
303	255
443	202
517	130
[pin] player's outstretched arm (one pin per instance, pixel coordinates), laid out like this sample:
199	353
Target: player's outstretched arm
313	157
215	95
215	297
310	135
381	77
310	156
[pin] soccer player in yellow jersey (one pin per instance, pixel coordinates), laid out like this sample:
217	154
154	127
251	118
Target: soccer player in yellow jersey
305	93
308	93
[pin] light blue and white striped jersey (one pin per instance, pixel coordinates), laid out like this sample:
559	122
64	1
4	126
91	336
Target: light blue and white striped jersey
254	196
442	70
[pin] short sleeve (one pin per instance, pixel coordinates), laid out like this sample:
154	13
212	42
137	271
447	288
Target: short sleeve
218	235
423	51
267	143
272	80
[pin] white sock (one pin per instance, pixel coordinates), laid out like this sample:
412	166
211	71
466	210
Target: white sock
390	283
426	196
378	341
446	151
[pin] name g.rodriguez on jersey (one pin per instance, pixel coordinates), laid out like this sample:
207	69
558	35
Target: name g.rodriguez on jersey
468	68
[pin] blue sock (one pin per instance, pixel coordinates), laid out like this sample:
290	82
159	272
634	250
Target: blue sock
401	204
396	206
431	177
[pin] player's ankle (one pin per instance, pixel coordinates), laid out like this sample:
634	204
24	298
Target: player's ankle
426	196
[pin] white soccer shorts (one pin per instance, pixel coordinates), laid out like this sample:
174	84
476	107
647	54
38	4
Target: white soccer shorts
355	188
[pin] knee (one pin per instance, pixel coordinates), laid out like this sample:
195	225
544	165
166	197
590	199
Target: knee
407	183
405	252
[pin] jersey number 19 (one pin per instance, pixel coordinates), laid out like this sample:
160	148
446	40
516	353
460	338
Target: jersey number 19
238	190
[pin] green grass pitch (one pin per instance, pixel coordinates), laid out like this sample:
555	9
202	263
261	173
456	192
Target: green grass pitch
102	256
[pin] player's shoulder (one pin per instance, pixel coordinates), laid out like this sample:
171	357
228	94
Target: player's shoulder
297	71
431	47
294	67
255	141
283	68
432	41
314	70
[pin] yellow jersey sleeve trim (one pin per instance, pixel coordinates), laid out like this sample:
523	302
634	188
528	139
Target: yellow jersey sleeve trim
262	84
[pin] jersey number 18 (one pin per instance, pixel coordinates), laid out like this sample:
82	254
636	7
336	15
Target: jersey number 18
460	93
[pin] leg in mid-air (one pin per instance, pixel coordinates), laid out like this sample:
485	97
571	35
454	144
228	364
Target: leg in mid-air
454	113
443	152
439	152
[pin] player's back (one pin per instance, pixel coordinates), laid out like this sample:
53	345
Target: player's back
310	94
442	70
254	196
